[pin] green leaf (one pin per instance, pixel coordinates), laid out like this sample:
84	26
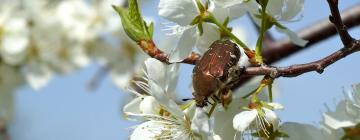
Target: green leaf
135	15
133	23
150	29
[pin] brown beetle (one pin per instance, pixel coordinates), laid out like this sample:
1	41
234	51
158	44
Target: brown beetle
214	71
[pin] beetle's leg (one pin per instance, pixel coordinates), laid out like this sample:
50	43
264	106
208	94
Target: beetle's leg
225	97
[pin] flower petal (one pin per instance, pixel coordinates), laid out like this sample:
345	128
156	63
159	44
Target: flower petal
297	131
275	8
38	75
293	8
211	34
336	124
149	105
293	37
243	120
133	106
143	131
271	117
164	101
201	124
185	46
227	3
181	12
276	106
156	71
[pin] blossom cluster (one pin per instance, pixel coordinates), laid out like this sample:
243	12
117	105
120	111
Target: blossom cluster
39	39
198	23
44	38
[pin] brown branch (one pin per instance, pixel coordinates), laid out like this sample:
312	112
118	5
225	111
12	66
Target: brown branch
315	33
335	18
350	46
295	70
275	51
150	48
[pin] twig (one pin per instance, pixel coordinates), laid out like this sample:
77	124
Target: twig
295	70
278	50
150	48
315	33
350	46
335	18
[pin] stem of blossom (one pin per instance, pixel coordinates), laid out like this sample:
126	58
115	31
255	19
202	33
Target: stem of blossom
270	93
257	92
259	43
267	81
247	51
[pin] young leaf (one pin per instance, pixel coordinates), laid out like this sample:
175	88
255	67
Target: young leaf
133	23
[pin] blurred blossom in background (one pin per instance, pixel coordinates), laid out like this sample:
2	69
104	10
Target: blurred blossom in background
66	65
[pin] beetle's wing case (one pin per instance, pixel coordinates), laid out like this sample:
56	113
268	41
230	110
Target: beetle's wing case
213	69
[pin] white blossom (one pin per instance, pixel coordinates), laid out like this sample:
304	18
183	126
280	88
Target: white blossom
255	119
182	13
347	113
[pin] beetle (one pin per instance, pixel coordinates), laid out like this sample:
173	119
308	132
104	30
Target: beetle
214	71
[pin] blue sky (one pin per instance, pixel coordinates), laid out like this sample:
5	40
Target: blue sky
66	110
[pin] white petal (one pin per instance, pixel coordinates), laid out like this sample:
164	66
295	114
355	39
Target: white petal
297	131
156	71
293	37
133	107
185	46
276	106
38	75
293	8
143	131
181	12
233	8
243	120
172	75
271	116
79	56
224	118
167	103
201	124
336	124
13	49
227	3
211	34
14	41
149	105
275	8
121	78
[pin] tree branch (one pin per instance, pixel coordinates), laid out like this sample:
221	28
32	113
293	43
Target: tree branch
150	48
315	33
335	18
350	46
278	50
295	70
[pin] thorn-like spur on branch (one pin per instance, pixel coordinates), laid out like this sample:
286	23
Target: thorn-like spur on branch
335	18
278	50
150	48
